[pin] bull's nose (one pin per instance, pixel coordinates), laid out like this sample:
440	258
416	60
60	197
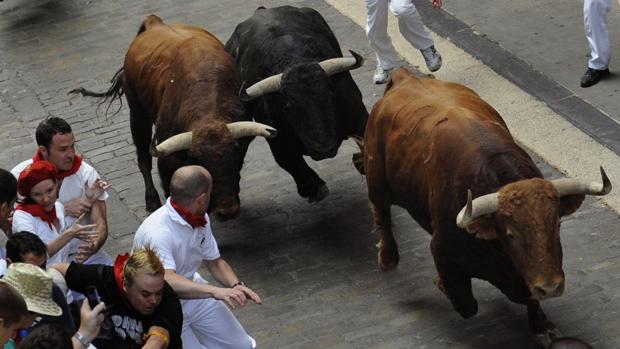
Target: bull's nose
548	289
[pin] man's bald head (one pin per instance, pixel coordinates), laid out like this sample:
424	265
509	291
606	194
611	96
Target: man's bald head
188	183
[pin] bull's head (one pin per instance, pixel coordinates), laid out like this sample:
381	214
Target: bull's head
309	101
525	217
217	148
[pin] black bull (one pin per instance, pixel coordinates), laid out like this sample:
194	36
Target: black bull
308	96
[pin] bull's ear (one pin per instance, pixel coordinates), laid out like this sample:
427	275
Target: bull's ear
570	203
483	228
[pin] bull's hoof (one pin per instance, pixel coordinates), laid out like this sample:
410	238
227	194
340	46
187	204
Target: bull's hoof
320	194
388	257
465	307
544	339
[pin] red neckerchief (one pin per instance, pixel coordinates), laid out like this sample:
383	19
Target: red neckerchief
193	219
119	265
38	211
77	162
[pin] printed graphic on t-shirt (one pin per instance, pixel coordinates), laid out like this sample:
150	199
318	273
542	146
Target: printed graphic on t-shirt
126	326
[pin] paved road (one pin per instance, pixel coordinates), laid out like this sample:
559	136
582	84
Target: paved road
314	265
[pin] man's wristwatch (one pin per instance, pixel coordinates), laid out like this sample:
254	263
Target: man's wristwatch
81	339
237	284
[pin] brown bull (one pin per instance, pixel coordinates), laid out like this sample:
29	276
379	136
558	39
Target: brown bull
180	79
429	142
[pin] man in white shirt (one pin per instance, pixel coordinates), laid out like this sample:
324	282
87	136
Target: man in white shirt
79	189
181	235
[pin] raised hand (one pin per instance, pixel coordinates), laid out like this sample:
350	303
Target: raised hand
85	233
94	192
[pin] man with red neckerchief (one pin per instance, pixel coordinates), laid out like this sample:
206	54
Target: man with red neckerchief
142	310
181	235
81	189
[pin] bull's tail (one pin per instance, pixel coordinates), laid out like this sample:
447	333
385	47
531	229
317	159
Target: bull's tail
114	92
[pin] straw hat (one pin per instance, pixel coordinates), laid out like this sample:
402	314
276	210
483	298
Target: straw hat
35	286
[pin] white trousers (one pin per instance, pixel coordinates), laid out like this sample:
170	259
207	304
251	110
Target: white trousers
409	23
595	25
209	323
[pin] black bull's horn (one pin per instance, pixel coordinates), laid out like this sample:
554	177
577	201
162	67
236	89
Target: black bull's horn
330	66
489	203
240	129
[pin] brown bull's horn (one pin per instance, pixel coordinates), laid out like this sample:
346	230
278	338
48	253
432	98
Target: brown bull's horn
173	144
250	129
338	65
482	205
570	186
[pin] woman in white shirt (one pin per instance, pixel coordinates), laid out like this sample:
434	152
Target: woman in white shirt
41	214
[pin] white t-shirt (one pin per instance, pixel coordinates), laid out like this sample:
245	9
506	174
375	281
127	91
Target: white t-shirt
180	247
72	187
24	221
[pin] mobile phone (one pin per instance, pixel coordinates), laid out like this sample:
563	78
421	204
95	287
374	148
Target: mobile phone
93	296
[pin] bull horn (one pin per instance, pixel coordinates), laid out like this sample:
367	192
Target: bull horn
263	87
570	186
250	128
482	205
273	83
173	144
338	65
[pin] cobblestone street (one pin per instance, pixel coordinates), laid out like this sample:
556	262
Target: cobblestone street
314	265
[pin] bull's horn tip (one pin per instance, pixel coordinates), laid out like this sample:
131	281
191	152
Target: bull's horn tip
606	182
244	96
272	132
359	60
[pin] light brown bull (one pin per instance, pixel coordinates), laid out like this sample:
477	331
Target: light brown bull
429	142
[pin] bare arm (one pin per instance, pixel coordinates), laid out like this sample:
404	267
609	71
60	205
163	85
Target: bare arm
98	215
77	206
82	232
223	273
61	267
187	289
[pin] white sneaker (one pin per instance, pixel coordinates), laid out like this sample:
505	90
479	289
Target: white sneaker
432	58
381	75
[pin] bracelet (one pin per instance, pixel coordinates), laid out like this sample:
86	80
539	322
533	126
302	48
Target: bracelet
156	333
80	337
239	283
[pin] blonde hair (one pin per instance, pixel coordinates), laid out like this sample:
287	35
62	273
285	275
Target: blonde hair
144	260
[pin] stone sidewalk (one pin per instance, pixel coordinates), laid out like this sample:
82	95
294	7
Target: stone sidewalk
313	265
